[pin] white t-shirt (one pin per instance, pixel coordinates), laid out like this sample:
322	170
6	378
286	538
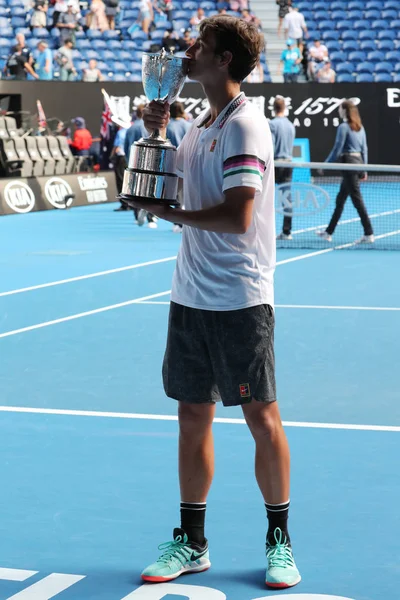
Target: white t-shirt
226	271
318	52
294	22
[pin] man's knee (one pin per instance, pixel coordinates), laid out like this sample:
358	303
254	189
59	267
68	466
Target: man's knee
263	419
195	419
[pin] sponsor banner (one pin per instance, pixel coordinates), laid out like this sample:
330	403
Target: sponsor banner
23	195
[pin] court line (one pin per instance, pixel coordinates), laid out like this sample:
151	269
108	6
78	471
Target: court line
148	417
89	276
83	314
311	306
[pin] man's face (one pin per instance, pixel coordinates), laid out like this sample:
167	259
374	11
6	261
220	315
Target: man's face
92	64
317	43
41	48
203	64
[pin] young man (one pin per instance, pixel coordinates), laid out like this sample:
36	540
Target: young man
221	323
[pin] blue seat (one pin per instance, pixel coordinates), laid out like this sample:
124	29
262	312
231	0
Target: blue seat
312	26
135	77
182	14
363	24
397	67
325	25
19	11
396	77
343	25
4	43
93	34
114	45
321	15
319	6
190	5
355	5
386	45
146	45
391	4
180	24
163	25
330	35
349	34
27	32
393	56
82	64
357	56
111	34
119	76
389	34
119	66
81	44
124	55
355	15
379	24
108	55
365	67
346	67
373	14
366	35
384	67
338	57
365	78
395	24
390	14
350	45
374	4
368	45
333	46
338	15
207	5
383	78
345	78
139	35
99	44
376	56
17	22
131	14
89	54
338	5
41	32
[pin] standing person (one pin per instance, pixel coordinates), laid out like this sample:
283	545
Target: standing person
295	26
221	322
64	59
118	158
350	147
18	65
283	134
177	128
290	61
82	138
283	11
133	134
44	62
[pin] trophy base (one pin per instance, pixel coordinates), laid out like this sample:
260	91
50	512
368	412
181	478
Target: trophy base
129	200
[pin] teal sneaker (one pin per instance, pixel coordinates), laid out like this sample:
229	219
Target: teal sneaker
176	558
281	571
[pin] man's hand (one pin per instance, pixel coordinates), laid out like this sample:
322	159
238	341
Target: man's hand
156	116
162	211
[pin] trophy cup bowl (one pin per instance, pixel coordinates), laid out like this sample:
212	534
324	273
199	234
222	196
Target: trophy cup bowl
151	172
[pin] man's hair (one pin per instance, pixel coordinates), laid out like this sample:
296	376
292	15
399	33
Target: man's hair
18	47
240	38
68	41
177	110
279	104
43	43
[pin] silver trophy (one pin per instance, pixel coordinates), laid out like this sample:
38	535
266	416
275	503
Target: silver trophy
151	173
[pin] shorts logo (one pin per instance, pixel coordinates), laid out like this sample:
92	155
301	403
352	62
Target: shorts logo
244	390
214	143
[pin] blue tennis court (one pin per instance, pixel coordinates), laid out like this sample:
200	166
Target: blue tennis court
89	441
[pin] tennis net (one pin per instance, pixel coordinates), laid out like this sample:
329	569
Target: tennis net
310	199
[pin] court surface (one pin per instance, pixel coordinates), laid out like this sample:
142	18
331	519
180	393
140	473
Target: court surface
88	440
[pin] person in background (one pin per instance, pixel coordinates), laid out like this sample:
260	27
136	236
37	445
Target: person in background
44	61
133	134
250	18
81	138
92	73
39	15
59	7
256	76
290	61
295	26
20	39
326	74
283	135
177	127
350	147
65	60
146	15
112	9
283	11
197	18
317	53
96	18
118	159
18	65
68	24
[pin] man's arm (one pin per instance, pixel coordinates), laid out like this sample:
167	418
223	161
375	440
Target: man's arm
233	215
29	69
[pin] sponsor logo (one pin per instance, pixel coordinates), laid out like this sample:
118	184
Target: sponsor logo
244	390
56	190
19	196
295	199
393	97
87	182
214	143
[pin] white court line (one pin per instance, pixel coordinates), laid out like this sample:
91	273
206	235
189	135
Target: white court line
310	306
148	417
90	276
83	314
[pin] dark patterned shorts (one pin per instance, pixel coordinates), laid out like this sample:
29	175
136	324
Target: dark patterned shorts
220	355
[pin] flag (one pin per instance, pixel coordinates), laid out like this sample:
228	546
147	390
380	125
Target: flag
42	122
106	122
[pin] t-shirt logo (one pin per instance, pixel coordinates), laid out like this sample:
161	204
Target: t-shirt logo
244	390
214	143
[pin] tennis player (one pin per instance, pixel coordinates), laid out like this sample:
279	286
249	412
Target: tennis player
350	147
221	324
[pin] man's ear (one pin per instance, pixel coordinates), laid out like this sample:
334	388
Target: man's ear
226	58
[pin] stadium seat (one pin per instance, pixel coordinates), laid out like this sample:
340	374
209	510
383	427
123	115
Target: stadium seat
114	45
395	24
363	24
333	46
11	126
366	35
179	24
207	5
379	25
89	54
3	129
355	15
12	164
390	14
368	45
7	32
376	56
396	77
330	35
373	4
365	78
391	4
384	67
319	6
99	44
139	35
111	34
119	76
60	161
372	15
17	22
349	34
393	56
190	5
350	45
355	5
49	162
389	34
357	56
340	25
383	78
67	154
321	15
365	67
339	15
93	34
41	32
38	163
338	57
21	151
338	5
345	78
346	67
386	45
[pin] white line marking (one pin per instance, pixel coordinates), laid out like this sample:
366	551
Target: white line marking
48	587
83	314
309	306
147	417
90	276
16	574
346	221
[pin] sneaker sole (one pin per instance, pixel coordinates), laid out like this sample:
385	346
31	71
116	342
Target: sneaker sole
283	585
183	571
